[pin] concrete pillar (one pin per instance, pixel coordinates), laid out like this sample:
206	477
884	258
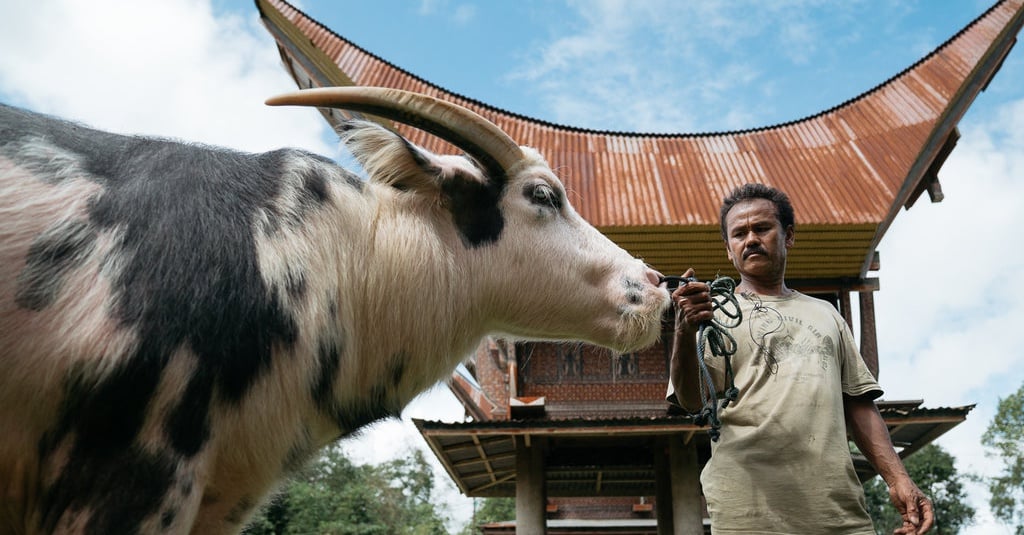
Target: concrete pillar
531	494
687	513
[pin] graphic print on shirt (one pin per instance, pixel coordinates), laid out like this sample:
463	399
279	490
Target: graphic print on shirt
801	342
762	322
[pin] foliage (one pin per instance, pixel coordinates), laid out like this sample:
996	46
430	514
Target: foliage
338	497
496	510
933	471
491	510
1005	435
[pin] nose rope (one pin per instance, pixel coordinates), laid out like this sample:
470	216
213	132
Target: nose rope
714	334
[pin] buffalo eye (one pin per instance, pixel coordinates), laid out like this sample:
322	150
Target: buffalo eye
543	195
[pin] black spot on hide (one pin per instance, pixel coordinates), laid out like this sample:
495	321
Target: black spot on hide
378	404
187	426
363	411
309	195
398	368
314	189
192	279
299	453
330	359
240	510
296	284
121	490
51	257
475	210
317	185
95	414
167	518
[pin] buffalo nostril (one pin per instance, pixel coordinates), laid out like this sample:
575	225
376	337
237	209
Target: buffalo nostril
653	277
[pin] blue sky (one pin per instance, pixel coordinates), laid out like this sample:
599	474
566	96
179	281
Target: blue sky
664	66
952	273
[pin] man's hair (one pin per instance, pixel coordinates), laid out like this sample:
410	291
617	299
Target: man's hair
746	192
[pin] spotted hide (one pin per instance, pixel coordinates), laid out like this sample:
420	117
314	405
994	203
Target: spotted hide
183	326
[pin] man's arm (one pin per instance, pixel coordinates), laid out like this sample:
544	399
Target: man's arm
692	306
872	438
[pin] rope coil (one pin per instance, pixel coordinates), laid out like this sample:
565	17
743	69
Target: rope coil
714	334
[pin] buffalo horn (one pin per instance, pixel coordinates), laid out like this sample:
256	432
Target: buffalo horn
460	126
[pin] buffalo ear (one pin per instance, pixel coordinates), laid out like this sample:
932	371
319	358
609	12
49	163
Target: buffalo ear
390	159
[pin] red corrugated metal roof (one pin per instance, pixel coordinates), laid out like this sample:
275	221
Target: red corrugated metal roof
848	170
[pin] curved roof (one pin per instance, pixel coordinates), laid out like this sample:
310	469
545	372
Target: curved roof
848	170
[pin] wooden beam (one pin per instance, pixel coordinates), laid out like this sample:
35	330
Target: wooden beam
511	475
866	284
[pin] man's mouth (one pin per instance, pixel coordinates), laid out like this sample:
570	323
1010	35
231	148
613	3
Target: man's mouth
748	254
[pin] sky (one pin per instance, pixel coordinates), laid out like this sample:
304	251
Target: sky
952	273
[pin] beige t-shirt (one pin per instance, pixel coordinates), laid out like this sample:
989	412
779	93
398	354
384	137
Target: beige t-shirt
782	463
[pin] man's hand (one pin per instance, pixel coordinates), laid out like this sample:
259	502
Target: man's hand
914	507
693	305
692	302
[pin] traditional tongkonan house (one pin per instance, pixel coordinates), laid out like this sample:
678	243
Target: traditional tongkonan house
583	438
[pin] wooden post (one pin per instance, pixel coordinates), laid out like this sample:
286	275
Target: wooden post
868	336
687	513
531	494
663	486
845	308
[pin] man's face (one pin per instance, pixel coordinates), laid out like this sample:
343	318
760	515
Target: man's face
755	240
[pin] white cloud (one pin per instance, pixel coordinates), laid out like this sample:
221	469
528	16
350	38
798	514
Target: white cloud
952	276
166	68
952	268
429	7
464	14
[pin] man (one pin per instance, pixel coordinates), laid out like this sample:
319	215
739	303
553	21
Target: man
782	462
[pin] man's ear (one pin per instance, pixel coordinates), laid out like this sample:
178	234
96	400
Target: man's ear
790	236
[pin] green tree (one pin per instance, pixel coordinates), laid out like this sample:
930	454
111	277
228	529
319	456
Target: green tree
491	510
496	510
337	497
1005	438
407	484
933	470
